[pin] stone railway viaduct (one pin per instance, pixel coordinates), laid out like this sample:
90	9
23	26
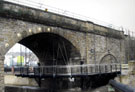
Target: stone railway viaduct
40	30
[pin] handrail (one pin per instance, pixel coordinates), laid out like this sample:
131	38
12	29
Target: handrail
71	69
84	65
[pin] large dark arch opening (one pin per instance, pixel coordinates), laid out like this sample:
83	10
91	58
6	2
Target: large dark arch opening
52	49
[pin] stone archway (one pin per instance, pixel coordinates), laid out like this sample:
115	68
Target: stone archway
15	37
108	59
28	39
51	47
15	31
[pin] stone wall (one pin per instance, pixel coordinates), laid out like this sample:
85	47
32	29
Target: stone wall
92	41
2	74
129	77
24	13
102	46
92	47
13	80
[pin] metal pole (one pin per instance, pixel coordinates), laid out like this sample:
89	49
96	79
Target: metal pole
115	68
120	69
111	68
81	63
81	68
71	71
105	69
21	54
99	69
25	55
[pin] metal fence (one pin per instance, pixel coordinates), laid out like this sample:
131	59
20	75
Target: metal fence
89	69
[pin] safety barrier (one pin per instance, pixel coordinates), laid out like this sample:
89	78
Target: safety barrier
88	69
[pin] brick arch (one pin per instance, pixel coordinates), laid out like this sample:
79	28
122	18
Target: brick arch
17	36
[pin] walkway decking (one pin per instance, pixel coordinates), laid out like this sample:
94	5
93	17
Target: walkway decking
69	70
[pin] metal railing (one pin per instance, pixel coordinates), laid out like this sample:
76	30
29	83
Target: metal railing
41	6
89	69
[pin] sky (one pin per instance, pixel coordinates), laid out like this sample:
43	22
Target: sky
19	48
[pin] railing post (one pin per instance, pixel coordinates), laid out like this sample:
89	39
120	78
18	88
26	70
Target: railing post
55	70
41	71
20	70
23	70
87	70
95	69
106	69
34	70
91	69
71	71
27	70
111	67
99	69
115	68
120	68
81	63
81	68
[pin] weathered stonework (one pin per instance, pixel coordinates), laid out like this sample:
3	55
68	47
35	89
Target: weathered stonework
11	10
129	77
91	41
2	73
84	42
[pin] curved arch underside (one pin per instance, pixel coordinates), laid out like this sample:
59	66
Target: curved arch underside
51	49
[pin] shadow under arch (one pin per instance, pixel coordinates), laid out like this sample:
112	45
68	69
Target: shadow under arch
108	59
52	48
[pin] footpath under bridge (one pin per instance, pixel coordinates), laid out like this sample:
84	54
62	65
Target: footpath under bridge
90	75
69	70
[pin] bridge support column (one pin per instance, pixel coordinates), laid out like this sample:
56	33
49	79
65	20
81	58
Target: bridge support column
2	86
